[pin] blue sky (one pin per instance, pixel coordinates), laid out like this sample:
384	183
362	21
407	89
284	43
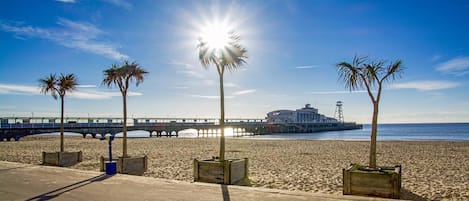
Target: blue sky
293	47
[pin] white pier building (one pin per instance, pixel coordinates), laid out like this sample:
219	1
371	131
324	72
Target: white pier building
307	114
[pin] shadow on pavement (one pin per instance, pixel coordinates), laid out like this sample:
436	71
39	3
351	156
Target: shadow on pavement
57	192
226	193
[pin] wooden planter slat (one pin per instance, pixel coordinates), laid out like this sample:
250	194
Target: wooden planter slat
372	183
62	159
371	179
129	165
50	158
238	165
221	172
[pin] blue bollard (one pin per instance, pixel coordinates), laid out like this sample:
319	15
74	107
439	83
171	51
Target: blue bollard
111	166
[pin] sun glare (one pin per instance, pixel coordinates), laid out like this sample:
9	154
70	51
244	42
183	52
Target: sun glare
229	132
216	35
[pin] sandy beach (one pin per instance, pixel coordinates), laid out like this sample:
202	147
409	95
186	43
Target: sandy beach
431	170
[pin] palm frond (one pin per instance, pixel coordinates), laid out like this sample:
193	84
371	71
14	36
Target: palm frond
67	83
350	75
111	76
48	85
122	76
231	57
361	74
393	71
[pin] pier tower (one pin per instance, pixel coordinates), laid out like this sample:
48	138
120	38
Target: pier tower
338	114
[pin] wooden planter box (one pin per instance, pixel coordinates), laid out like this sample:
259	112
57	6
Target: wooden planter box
232	171
129	165
62	159
382	182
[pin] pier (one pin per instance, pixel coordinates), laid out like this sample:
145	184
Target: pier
18	127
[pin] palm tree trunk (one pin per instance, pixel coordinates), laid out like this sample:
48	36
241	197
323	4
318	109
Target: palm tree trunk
374	130
124	127
62	125
222	120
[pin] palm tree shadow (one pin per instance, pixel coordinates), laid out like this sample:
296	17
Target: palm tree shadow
408	195
225	192
57	192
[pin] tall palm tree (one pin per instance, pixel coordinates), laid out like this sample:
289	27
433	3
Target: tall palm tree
230	57
58	87
369	75
122	76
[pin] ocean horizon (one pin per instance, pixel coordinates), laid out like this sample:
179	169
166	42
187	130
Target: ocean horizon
386	132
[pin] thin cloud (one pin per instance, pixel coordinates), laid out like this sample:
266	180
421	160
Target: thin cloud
76	35
99	95
305	67
249	91
66	1
435	58
86	86
120	3
180	87
457	66
209	82
19	89
211	97
191	73
180	64
230	84
336	92
187	69
85	93
92	95
426	85
278	95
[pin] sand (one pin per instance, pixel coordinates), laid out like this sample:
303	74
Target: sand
431	170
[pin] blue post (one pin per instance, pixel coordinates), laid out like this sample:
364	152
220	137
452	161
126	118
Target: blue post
111	166
111	138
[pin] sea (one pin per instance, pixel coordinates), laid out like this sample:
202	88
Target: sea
386	132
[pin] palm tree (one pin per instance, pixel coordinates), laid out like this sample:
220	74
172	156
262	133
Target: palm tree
230	57
361	74
58	87
122	76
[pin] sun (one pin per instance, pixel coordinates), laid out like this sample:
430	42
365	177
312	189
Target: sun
216	35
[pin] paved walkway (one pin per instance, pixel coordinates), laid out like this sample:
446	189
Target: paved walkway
34	182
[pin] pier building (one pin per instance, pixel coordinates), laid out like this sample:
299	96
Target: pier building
306	114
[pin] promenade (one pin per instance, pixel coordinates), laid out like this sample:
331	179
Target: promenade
34	182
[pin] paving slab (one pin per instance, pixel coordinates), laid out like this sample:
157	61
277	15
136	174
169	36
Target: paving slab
36	182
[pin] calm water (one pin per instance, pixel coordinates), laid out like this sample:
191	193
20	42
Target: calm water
405	132
386	132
